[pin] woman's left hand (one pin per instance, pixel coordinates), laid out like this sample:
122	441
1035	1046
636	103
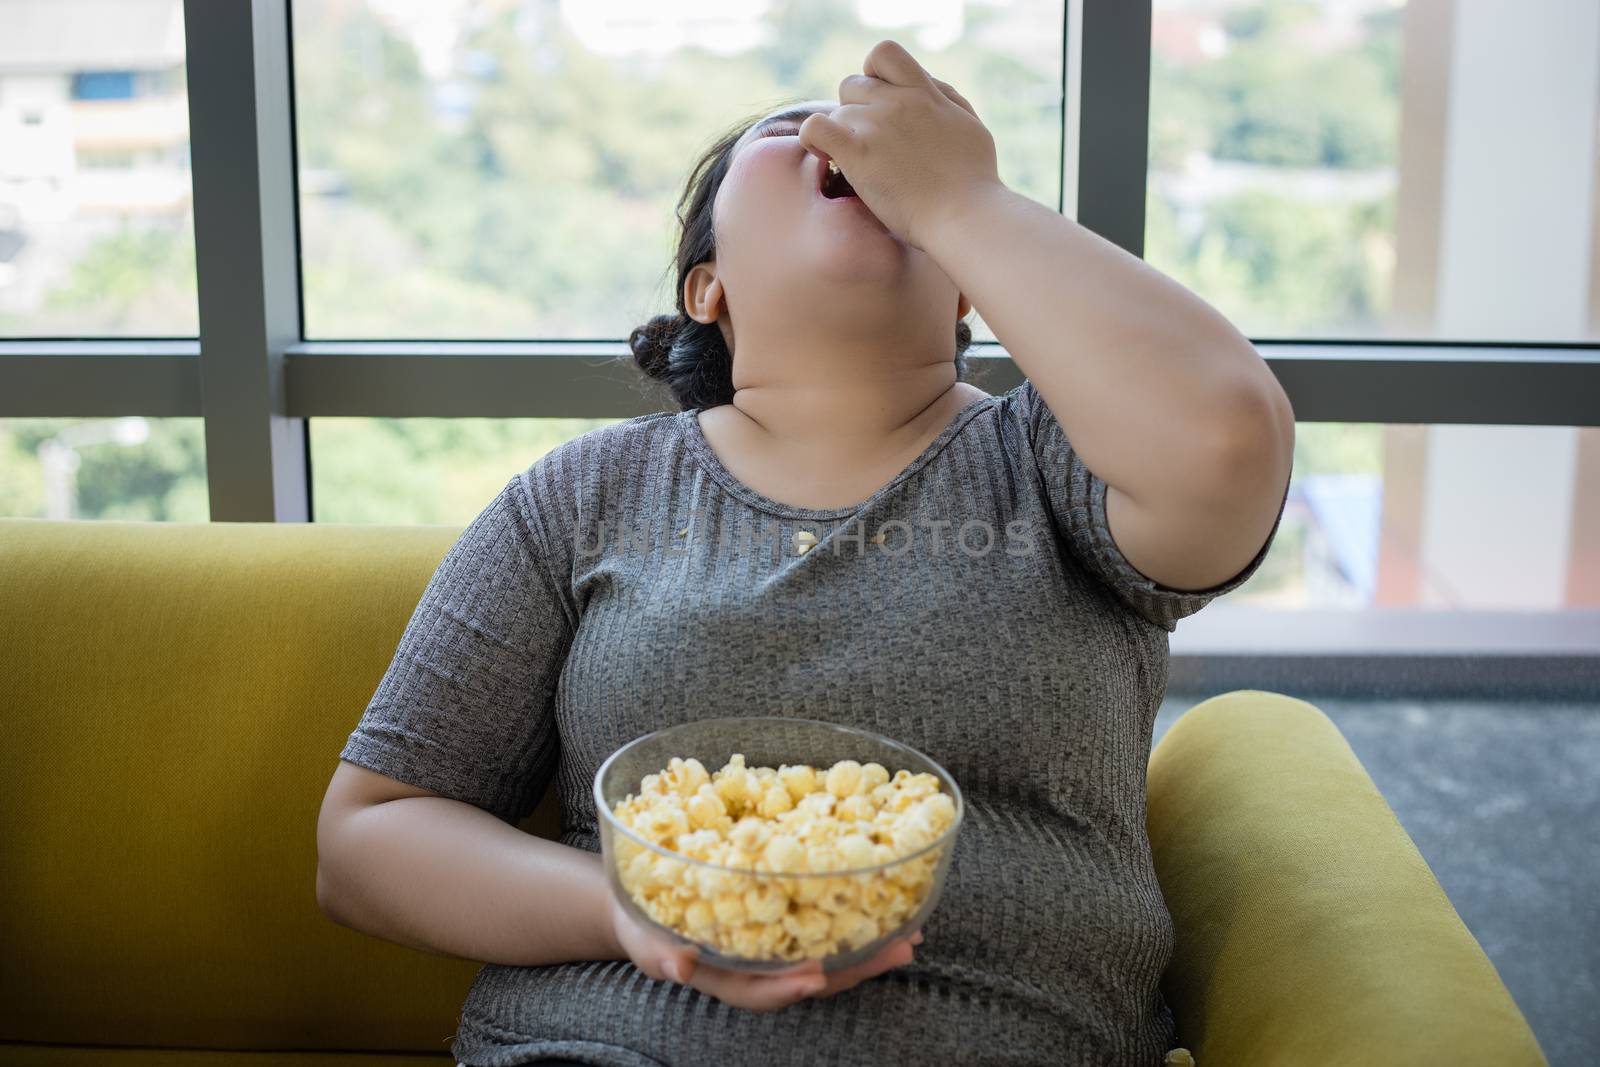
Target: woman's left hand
910	145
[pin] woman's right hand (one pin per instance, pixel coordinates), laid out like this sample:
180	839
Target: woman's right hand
666	960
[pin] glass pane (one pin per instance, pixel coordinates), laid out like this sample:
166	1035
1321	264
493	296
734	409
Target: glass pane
96	226
484	169
1448	517
132	468
1373	169
369	470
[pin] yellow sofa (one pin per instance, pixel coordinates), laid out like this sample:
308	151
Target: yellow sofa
174	700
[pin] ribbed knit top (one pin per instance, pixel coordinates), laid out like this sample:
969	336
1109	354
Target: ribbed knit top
627	581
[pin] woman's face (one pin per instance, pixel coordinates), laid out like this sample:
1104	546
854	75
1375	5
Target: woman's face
776	233
773	180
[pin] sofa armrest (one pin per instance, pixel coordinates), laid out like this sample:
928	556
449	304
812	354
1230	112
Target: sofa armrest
1309	928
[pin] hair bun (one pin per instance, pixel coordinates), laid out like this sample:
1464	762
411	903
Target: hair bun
652	343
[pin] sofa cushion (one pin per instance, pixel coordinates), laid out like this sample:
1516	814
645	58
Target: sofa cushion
175	698
1310	930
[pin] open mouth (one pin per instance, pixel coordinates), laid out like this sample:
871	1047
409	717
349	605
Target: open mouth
834	185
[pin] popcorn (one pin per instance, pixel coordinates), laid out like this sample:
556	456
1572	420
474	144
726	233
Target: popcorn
775	801
765	903
807	924
839	895
843	777
685	777
706	808
873	775
730	909
799	780
749	833
789	839
784	853
855	808
855	850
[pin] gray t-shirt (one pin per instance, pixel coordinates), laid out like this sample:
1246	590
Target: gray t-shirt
975	608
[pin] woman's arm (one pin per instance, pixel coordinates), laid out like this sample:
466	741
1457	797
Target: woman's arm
1159	394
446	877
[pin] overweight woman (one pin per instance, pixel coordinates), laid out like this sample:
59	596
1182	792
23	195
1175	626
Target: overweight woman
834	525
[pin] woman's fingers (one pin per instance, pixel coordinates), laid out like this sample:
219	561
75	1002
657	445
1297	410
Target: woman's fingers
760	992
774	990
679	964
950	91
896	954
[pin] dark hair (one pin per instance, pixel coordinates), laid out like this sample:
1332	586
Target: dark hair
690	356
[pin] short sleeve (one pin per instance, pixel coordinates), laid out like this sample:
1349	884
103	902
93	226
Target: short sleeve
1077	500
465	708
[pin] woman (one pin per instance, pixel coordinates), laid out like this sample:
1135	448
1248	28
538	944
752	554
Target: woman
836	525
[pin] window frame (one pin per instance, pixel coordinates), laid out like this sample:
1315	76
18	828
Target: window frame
256	381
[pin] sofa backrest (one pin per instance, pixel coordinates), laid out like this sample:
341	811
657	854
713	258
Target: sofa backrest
174	700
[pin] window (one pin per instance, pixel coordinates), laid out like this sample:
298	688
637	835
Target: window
96	228
492	170
1372	169
1495	518
130	468
424	470
102	85
452	212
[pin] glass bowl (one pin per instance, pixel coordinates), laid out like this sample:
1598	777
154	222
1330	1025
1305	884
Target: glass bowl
786	916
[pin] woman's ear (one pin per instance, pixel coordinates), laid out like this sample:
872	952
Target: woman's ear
963	305
702	294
